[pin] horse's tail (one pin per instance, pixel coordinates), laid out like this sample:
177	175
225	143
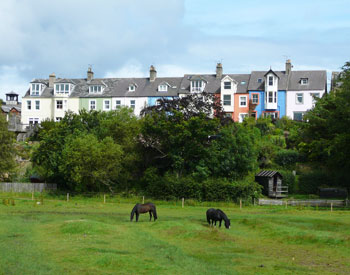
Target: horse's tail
133	212
155	212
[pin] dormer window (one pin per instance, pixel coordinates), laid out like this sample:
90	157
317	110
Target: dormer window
227	85
259	80
36	88
304	81
197	86
132	88
95	89
163	88
243	83
270	80
62	88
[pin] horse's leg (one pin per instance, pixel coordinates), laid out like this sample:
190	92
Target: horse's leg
137	216
215	223
150	216
220	223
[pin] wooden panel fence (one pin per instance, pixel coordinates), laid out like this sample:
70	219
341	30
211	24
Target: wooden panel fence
18	187
321	203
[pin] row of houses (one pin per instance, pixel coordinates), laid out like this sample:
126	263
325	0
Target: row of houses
258	94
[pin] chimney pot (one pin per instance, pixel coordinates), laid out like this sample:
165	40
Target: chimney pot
152	74
288	66
52	78
218	71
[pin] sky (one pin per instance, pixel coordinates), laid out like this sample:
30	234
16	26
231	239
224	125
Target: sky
122	38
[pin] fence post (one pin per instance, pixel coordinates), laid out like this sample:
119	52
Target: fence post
331	206
32	195
67	197
286	204
143	199
104	198
183	202
240	204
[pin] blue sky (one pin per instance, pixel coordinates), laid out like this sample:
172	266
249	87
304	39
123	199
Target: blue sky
123	38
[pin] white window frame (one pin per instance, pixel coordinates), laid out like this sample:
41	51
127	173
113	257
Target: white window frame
58	119
37	105
95	89
298	112
242	116
133	104
33	121
270	80
304	81
132	88
197	86
90	104
241	101
29	104
270	97
118	105
253	99
227	102
227	85
36	89
62	88
61	104
104	105
302	99
314	96
163	88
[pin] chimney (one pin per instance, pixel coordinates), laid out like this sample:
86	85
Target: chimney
152	74
288	66
218	71
90	74
52	78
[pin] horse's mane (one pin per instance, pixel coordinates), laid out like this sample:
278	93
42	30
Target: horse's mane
223	215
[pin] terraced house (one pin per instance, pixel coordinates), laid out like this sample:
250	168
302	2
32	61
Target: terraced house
261	93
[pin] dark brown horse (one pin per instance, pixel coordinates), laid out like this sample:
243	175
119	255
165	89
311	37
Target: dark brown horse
144	208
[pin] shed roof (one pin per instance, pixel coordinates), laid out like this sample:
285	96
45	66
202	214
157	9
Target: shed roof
267	173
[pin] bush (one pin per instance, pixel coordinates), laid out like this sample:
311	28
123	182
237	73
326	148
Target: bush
287	158
311	181
289	180
172	187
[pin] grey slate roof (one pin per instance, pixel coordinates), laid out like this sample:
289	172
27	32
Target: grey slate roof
254	85
316	80
8	108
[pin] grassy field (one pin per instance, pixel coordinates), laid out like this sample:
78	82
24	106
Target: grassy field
85	236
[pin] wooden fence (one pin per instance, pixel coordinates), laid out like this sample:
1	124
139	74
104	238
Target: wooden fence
321	203
17	187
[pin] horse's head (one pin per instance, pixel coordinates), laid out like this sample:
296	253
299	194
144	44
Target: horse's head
227	224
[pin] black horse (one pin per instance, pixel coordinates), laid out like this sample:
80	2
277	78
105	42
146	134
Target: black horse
214	215
144	208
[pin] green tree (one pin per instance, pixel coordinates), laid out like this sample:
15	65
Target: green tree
7	149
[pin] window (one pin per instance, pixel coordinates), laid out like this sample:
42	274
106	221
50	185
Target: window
227	85
36	88
227	100
94	89
270	97
242	116
92	104
243	83
255	98
118	103
163	88
275	98
62	88
37	105
131	88
197	86
33	121
132	104
59	104
58	119
107	105
253	114
242	101
270	80
29	105
298	116
304	81
272	115
259	80
314	97
299	98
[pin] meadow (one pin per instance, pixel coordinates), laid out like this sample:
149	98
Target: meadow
87	236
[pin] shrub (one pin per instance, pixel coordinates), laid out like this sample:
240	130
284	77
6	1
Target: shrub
171	187
287	158
289	180
309	182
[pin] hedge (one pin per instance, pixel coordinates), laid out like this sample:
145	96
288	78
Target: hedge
310	182
172	187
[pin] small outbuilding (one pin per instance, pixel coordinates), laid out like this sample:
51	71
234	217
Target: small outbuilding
272	184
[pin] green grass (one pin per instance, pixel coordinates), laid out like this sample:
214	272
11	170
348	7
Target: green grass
85	236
